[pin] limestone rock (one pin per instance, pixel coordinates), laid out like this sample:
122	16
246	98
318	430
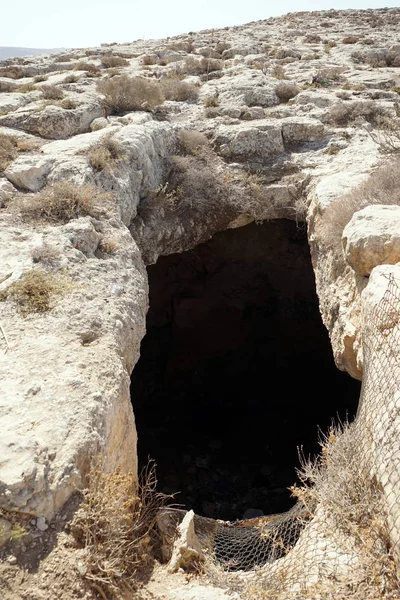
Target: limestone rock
29	172
186	552
6	191
250	141
372	238
297	130
54	122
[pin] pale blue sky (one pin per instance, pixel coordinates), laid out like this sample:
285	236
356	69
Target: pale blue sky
81	23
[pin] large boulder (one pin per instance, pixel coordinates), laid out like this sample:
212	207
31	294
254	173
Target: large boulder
372	238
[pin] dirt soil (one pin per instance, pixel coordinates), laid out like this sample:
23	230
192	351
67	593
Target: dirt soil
48	565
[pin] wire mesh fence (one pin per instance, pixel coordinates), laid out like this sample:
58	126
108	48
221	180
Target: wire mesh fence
342	538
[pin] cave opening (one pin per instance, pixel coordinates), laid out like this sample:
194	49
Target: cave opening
236	371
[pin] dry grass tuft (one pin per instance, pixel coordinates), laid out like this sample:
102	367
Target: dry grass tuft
382	187
114	525
46	254
35	291
8	150
51	92
65	200
123	93
105	154
108	244
345	113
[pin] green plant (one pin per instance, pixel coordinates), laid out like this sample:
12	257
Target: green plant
34	291
123	93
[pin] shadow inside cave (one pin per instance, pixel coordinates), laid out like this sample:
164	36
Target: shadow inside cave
236	371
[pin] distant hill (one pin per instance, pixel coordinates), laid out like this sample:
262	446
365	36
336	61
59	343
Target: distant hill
10	52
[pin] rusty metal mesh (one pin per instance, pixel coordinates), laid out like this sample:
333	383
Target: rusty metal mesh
342	538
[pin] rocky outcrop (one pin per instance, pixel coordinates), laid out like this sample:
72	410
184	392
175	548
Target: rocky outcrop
372	238
267	156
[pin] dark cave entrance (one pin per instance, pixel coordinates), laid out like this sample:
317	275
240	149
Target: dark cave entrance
236	371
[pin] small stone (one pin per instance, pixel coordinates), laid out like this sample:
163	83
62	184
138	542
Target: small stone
41	524
12	560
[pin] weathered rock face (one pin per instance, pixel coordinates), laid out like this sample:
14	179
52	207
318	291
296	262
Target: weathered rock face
271	154
372	238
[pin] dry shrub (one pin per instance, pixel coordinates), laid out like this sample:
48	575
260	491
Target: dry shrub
91	69
8	150
13	72
39	78
200	66
46	254
108	244
382	187
123	93
351	39
65	200
184	46
149	59
68	104
191	141
34	291
211	102
312	38
26	88
344	113
286	90
110	61
387	134
351	509
71	79
105	154
51	92
114	526
175	89
64	58
327	76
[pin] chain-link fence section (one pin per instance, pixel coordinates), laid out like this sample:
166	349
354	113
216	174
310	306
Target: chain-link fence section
342	538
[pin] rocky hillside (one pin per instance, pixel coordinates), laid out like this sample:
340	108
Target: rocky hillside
113	156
